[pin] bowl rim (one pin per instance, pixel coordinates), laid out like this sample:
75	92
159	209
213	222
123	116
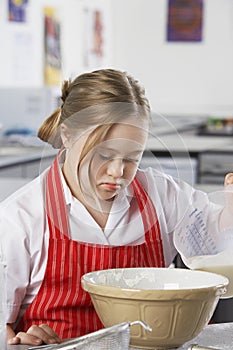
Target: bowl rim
108	290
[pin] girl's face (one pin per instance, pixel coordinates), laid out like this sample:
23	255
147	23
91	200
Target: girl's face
112	164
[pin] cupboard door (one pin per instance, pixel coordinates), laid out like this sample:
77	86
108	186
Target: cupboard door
33	169
12	171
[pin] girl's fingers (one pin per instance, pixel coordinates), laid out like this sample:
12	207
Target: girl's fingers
36	335
13	341
25	338
50	332
45	333
228	179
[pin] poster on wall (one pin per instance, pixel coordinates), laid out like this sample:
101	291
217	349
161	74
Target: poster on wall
52	47
17	10
94	53
21	57
185	20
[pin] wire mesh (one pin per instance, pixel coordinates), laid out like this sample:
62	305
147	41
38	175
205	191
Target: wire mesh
116	337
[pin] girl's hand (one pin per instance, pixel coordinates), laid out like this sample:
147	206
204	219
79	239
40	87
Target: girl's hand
229	194
226	220
228	179
35	335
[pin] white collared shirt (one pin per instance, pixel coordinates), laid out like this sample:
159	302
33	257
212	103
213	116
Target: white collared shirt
24	229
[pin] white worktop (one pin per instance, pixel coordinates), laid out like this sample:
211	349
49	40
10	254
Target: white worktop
171	143
189	142
180	134
11	155
173	134
161	143
167	135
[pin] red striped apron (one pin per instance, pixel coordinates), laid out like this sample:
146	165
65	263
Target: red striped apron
61	303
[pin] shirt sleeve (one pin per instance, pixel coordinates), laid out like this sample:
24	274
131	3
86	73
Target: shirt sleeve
17	258
188	217
196	231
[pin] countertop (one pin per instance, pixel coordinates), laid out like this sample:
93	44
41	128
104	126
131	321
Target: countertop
167	135
218	336
179	134
183	145
12	154
189	142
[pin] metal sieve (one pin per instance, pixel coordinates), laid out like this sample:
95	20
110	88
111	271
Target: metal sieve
116	337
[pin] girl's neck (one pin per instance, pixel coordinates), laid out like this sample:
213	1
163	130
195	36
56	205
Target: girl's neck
99	210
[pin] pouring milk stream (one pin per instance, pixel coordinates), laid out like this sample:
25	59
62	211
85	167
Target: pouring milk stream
208	245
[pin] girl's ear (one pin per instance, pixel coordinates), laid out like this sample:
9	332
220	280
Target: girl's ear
66	136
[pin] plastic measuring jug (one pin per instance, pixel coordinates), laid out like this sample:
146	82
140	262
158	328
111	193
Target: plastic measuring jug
203	248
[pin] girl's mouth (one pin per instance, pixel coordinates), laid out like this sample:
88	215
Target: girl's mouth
110	186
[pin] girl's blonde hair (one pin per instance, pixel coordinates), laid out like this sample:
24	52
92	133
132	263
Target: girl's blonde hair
98	99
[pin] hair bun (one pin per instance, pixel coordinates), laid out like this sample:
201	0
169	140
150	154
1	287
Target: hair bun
65	89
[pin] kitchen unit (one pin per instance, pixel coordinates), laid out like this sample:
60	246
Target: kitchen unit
19	165
214	164
184	168
175	147
24	162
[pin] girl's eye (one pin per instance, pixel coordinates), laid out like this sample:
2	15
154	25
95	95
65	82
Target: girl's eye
131	160
105	157
109	157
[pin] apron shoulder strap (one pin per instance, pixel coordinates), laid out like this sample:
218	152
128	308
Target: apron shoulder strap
55	202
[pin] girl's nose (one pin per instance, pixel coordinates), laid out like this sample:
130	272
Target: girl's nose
116	168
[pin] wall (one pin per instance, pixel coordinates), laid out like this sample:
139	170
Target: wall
22	46
75	38
21	61
25	101
179	77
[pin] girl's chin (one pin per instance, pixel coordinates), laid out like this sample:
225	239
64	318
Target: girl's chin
107	198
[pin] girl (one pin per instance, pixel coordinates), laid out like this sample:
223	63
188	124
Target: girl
92	209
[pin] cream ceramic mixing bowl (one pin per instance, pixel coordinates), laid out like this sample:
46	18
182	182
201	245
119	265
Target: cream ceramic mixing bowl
175	303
